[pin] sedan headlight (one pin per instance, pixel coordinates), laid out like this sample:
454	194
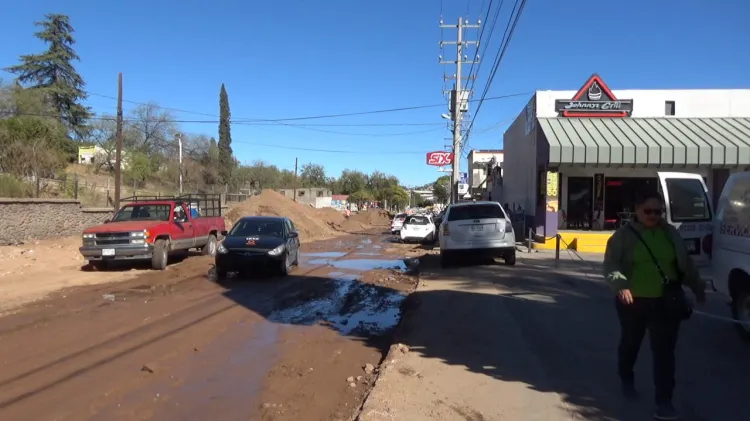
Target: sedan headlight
89	236
277	251
221	249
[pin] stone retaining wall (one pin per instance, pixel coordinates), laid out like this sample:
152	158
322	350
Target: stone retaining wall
26	219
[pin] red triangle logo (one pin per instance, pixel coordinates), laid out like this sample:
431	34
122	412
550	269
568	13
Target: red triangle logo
595	90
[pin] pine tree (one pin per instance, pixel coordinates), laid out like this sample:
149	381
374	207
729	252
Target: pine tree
226	161
53	72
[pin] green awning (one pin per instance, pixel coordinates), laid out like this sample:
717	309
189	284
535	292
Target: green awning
653	142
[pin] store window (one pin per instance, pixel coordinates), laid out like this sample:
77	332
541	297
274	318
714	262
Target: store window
621	193
580	199
687	201
669	108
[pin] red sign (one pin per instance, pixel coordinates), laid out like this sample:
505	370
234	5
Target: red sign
439	158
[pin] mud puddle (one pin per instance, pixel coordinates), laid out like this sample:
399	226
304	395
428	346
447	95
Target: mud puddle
347	305
225	377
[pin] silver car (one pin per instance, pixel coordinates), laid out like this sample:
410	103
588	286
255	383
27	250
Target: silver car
476	228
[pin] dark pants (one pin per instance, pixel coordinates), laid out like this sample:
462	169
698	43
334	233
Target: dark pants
635	319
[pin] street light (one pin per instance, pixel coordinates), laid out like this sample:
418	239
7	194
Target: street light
446	116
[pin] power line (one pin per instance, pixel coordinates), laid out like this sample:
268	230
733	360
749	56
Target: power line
359	152
505	42
278	120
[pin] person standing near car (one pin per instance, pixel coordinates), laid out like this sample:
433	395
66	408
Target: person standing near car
646	263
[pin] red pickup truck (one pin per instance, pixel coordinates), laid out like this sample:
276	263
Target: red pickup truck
150	228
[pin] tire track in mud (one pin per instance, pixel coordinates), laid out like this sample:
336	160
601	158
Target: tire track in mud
202	309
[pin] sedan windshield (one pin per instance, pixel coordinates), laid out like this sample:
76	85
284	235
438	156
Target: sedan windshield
142	213
257	227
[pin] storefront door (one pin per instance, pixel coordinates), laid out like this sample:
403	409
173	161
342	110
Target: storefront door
580	200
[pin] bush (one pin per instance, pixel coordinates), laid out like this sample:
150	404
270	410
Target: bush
13	187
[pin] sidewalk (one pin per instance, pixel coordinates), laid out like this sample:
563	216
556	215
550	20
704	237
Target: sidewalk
464	360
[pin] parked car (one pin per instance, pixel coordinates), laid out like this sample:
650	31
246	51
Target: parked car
150	228
476	228
397	223
418	228
731	248
256	243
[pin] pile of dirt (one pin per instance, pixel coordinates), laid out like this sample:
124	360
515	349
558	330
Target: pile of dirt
372	217
311	223
364	221
331	215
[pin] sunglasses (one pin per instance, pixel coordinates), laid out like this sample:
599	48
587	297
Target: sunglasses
656	212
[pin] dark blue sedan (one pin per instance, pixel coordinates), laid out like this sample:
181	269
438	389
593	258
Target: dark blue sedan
258	242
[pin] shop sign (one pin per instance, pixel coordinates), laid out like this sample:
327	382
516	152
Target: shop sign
439	158
594	99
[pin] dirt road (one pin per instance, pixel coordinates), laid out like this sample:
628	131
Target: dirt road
174	345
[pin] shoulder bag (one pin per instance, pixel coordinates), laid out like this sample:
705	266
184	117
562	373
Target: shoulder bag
675	303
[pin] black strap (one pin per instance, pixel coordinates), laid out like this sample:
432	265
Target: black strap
664	279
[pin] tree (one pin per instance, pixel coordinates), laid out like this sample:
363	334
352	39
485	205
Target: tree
53	72
313	175
441	189
397	195
151	131
226	160
138	168
351	181
360	197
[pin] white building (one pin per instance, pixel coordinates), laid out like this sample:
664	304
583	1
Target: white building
581	156
485	172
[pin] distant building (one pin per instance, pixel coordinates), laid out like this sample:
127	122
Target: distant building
319	197
485	174
340	201
89	154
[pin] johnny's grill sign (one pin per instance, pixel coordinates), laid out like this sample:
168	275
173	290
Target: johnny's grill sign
439	158
594	99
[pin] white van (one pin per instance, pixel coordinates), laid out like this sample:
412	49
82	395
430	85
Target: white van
731	244
688	208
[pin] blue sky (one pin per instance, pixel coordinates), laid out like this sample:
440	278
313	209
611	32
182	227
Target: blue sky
292	58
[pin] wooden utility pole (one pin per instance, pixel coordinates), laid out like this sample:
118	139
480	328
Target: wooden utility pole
295	179
118	146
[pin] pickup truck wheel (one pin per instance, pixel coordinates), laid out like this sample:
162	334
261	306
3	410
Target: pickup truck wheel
210	248
160	257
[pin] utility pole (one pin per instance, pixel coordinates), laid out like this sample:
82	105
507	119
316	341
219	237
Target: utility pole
179	147
295	179
459	98
118	143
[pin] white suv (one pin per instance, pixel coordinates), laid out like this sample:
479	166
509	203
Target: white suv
477	228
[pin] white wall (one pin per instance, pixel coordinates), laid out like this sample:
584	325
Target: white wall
650	103
478	173
519	172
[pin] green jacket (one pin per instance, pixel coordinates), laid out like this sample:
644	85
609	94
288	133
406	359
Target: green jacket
618	258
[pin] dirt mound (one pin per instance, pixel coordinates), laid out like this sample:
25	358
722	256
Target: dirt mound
331	215
311	223
372	217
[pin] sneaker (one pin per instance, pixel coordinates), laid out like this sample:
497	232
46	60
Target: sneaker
629	391
666	412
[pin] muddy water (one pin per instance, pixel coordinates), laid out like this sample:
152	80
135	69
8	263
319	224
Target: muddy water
226	377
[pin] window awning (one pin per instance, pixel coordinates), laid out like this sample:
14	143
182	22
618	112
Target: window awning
653	142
